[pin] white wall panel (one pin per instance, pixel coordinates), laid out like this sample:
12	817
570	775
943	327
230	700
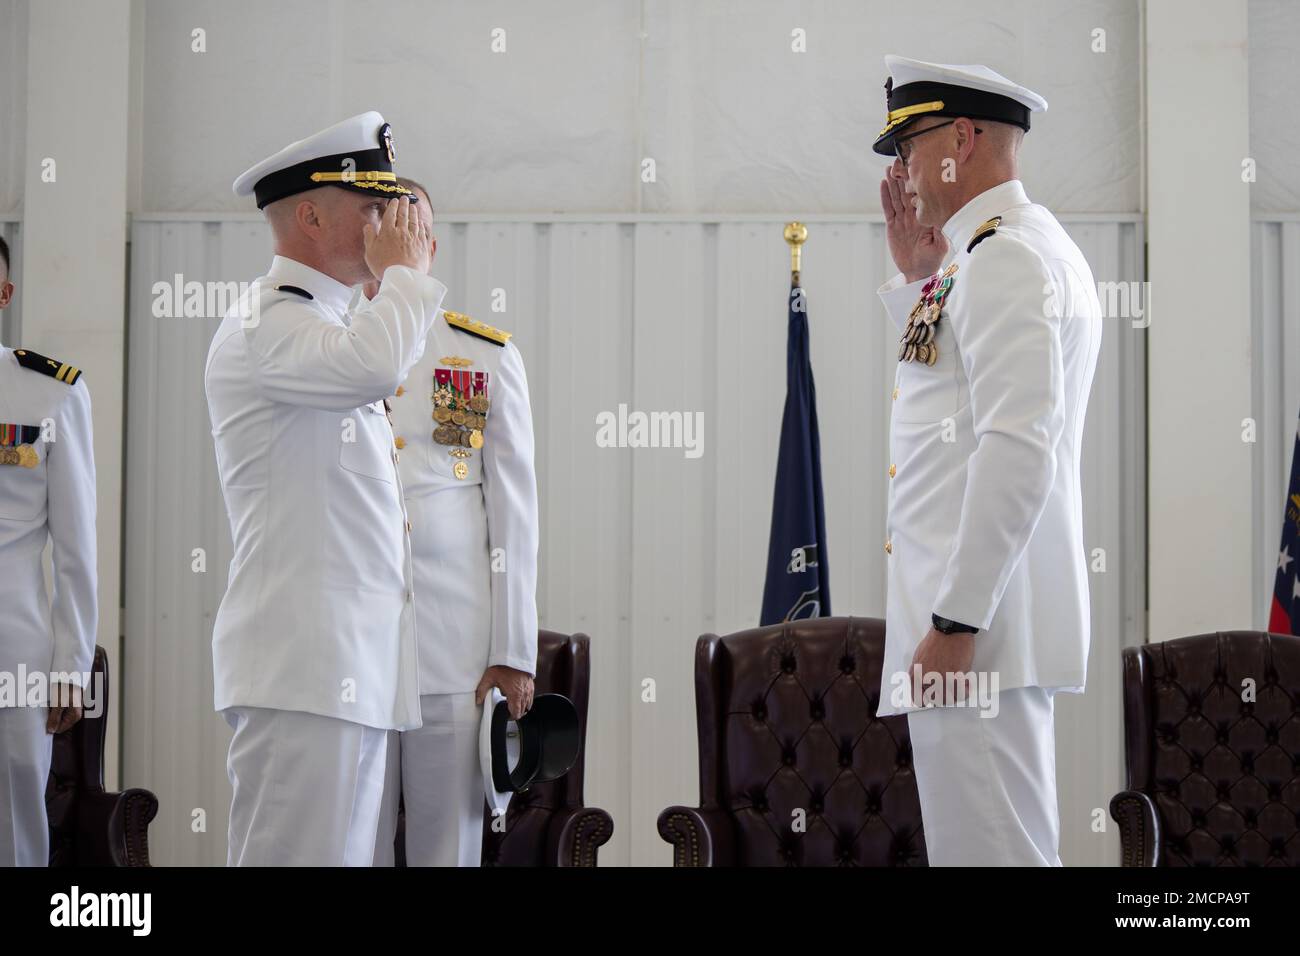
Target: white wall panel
644	549
1274	109
13	103
586	89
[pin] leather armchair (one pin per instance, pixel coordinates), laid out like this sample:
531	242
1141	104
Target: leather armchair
786	718
88	825
1213	780
547	825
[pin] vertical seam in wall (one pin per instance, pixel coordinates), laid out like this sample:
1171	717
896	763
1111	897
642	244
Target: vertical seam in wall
639	105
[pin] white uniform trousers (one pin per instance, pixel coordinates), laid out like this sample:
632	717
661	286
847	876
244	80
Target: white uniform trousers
988	784
436	771
25	751
307	789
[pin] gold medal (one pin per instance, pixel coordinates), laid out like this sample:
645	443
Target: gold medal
933	356
441	415
476	439
923	353
458	417
8	456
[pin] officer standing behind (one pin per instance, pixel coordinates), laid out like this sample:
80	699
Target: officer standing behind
47	492
465	433
999	327
314	652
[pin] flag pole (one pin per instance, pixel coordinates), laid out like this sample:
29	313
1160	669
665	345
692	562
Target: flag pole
796	234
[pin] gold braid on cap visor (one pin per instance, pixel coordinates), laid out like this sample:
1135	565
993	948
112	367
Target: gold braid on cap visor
365	179
907	112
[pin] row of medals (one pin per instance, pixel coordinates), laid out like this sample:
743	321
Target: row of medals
460	427
917	343
23	455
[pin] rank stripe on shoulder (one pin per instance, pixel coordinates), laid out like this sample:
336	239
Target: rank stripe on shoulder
284	287
986	229
59	371
474	327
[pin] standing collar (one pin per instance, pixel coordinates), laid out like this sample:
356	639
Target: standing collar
992	202
330	292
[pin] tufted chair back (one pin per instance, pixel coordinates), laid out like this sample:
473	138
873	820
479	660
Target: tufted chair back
548	824
788	734
90	826
1214	780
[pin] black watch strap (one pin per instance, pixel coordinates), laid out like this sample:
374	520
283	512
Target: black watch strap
945	626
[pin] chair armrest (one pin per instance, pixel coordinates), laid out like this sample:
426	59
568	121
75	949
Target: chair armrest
1139	828
574	835
699	837
113	828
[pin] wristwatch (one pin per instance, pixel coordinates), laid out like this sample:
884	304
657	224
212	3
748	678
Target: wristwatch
945	626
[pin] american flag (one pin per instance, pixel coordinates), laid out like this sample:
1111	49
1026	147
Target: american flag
1284	617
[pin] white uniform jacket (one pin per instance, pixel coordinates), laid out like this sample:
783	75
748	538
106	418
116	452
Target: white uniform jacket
318	614
473	504
985	522
48	493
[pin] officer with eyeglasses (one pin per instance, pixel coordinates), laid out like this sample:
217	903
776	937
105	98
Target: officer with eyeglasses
999	328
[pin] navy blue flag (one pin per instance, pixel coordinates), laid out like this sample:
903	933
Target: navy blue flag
1284	615
798	585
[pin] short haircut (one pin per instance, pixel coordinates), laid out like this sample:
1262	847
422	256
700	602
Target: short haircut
4	254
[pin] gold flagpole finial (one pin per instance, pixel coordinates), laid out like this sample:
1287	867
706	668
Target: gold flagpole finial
796	234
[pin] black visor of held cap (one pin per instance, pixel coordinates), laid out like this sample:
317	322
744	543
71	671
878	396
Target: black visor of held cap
356	154
549	743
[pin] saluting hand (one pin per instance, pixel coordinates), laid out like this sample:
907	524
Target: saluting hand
401	240
517	687
918	250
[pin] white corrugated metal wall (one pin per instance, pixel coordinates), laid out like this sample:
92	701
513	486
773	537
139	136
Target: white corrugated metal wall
643	549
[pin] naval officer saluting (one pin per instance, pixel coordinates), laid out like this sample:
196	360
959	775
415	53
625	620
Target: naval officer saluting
999	327
47	493
314	653
464	431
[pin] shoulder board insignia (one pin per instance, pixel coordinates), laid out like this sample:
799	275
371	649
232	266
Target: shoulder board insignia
33	361
295	290
986	229
474	327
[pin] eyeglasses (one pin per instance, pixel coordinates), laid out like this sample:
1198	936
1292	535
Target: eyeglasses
900	140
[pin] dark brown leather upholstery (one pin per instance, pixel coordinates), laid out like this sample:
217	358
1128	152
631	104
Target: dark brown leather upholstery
547	825
1213	780
89	826
786	717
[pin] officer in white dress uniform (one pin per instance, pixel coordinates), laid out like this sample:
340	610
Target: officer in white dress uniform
464	431
47	492
314	650
999	328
